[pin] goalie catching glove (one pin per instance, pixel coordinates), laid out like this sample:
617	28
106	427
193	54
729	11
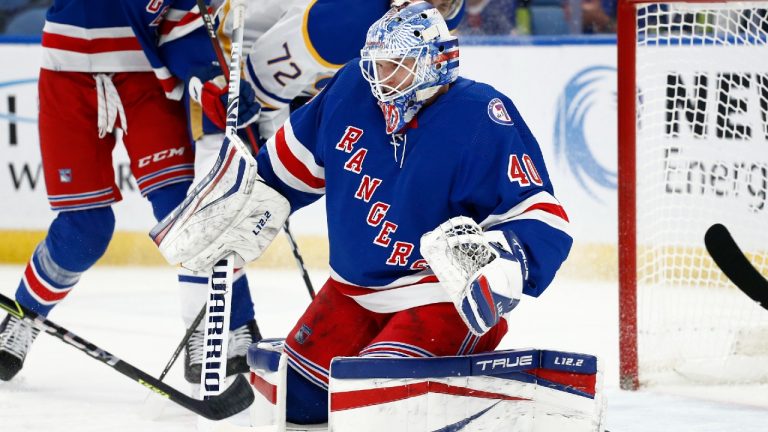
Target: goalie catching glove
231	210
482	273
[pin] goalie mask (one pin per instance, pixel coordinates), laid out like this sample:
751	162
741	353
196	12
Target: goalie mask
408	55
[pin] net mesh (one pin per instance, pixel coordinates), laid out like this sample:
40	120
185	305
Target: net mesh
701	158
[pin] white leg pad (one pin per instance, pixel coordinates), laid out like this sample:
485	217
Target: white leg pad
269	368
512	391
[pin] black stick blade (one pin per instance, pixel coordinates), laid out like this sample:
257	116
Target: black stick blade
731	260
234	399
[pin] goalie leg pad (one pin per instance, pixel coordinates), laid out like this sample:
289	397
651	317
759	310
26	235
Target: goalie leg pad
231	210
513	391
282	394
269	368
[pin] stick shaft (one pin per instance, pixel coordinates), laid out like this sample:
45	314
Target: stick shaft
237	34
216	333
237	398
184	340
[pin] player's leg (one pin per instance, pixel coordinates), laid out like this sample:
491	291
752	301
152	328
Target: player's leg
194	288
423	398
411	333
243	327
333	325
79	178
163	163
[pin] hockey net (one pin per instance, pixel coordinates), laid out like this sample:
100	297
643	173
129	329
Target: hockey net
693	151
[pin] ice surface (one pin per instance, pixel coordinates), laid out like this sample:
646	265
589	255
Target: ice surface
134	314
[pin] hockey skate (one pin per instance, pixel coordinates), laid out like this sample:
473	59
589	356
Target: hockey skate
16	338
239	341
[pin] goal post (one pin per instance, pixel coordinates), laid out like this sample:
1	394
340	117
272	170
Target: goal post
626	41
693	151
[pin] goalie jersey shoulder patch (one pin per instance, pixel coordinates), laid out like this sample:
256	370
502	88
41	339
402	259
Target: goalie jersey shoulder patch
498	113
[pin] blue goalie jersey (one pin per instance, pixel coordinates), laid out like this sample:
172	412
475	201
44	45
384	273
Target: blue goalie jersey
467	154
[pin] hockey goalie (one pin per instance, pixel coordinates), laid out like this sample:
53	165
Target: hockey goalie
441	215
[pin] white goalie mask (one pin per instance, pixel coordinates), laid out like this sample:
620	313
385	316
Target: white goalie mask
408	55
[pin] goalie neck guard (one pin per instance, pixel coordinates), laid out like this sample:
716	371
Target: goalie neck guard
408	55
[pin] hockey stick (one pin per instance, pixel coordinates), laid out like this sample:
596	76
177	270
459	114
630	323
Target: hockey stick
211	30
299	261
216	333
731	260
238	396
219	301
154	410
184	340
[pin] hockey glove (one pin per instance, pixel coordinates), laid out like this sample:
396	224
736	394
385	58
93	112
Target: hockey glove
492	292
230	210
482	273
212	96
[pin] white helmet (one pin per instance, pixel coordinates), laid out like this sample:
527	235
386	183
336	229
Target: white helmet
408	55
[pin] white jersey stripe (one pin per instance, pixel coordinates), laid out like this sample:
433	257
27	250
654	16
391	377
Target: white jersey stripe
117	61
302	153
85	33
180	31
399	299
178	14
110	49
299	153
162	73
519	212
399	282
547	218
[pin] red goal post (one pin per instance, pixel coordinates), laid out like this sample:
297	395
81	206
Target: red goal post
693	150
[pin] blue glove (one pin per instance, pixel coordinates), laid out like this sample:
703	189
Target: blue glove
495	289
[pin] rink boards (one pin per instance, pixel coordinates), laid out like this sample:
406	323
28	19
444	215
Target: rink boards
564	88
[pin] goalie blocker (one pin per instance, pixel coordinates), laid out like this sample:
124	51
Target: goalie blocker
231	210
525	390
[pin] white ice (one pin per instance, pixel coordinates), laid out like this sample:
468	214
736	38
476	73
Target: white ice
134	314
